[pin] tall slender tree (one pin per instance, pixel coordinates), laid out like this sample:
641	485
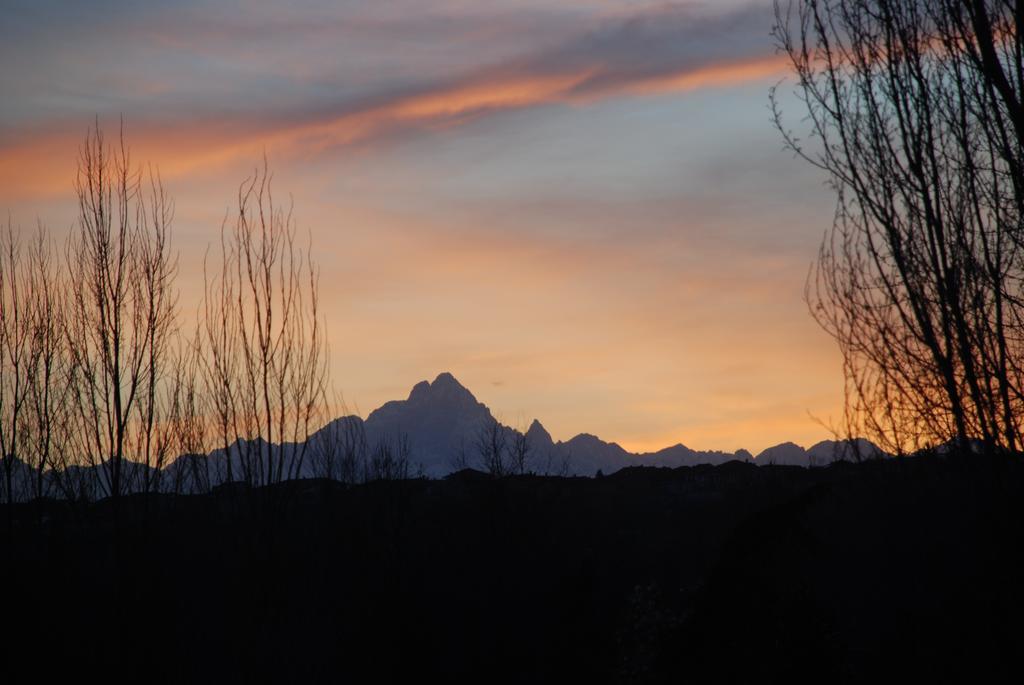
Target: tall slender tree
121	316
51	377
265	361
15	358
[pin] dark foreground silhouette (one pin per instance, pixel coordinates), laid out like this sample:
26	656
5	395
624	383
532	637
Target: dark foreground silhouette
898	569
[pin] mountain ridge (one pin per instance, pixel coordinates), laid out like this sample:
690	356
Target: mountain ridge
444	429
443	420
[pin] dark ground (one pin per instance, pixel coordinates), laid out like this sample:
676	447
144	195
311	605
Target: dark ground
904	569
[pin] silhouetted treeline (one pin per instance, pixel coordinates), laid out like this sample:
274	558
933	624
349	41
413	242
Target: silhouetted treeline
104	382
853	573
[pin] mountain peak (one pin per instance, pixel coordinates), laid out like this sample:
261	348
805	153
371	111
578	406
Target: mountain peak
538	434
445	379
419	390
445	390
442	420
786	453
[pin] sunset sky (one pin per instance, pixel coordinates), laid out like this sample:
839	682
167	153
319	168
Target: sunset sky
579	208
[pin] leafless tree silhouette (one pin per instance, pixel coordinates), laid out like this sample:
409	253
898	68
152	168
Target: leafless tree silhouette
340	450
491	447
121	316
265	362
914	110
520	452
51	378
15	358
557	465
101	389
189	423
391	459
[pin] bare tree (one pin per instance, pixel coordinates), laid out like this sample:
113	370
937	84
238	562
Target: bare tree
391	459
121	315
340	450
34	377
50	379
265	362
15	359
520	452
491	447
188	424
914	112
97	383
556	464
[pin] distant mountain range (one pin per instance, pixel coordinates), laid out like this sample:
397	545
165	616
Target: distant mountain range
442	424
442	420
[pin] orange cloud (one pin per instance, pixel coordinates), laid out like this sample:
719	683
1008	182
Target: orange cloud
39	164
715	76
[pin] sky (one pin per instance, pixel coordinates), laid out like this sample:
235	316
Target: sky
580	208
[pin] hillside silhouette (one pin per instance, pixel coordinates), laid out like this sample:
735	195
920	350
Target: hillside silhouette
728	573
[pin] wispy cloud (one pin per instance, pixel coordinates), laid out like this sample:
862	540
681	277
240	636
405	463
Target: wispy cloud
664	50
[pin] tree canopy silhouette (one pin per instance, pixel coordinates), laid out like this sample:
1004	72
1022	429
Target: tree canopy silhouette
914	110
